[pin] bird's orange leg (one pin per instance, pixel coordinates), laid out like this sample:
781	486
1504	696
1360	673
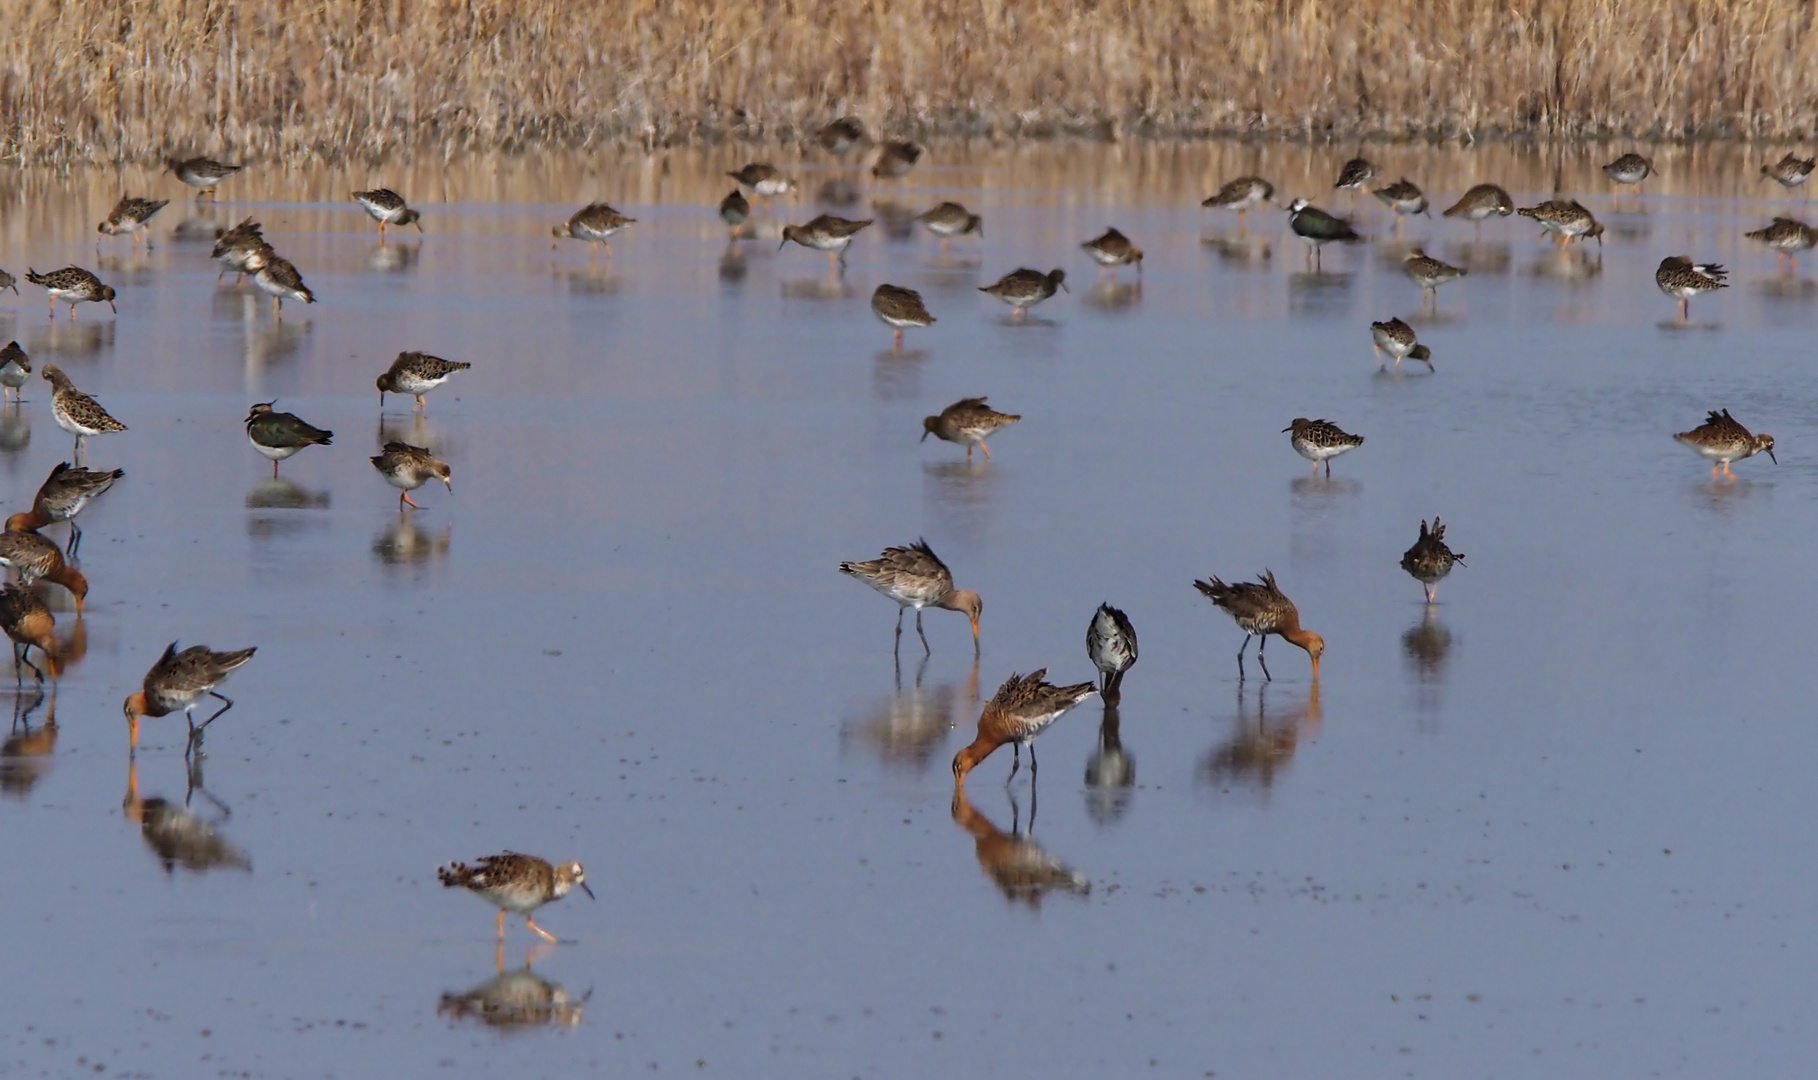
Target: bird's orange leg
501	928
544	934
899	339
986	449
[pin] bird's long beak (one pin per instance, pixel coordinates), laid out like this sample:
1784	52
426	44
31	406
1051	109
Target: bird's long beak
784	244
1287	429
449	484
975	635
1316	669
586	890
924	437
1771	456
111	307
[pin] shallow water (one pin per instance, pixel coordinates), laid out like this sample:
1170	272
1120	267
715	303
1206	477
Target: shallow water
1549	826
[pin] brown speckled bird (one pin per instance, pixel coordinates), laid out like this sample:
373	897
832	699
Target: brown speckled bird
516	883
1260	609
915	577
900	308
1430	559
1021	709
968	422
178	682
1721	440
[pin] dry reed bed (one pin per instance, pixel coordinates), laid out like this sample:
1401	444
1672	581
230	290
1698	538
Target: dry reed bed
116	80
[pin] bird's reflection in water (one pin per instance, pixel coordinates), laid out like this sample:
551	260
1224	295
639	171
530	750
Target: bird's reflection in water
1113	295
960	494
1239	249
1015	863
15	430
236	302
198	229
1786	287
896	220
25	756
405	543
1568	264
896	375
130	269
177	834
413	428
1433	317
593	281
60	337
1319	293
279	493
1723	496
732	264
514	1001
831	287
271	343
908	728
1110	772
1632	230
1482	258
837	192
1424	647
394	258
1260	746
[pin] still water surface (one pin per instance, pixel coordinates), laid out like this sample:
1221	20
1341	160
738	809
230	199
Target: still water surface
1553	826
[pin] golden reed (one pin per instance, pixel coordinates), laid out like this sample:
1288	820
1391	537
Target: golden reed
113	80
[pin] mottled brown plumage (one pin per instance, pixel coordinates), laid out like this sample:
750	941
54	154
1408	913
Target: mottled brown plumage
1023	707
968	422
1260	608
1430	559
516	883
915	577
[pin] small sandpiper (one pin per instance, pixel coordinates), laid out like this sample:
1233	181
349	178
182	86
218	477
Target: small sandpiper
896	159
1024	288
1682	279
1397	339
840	136
129	217
915	577
178	682
900	308
1111	646
76	412
968	422
1482	201
201	173
387	207
73	285
35	558
15	368
1721	440
1429	273
1320	440
1630	170
1023	707
764	180
278	435
276	277
1355	175
241	249
516	883
1790	171
61	497
1403	198
1319	228
408	468
416	374
1242	194
1430	559
1112	249
825	233
1787	236
735	210
594	223
1565	220
949	220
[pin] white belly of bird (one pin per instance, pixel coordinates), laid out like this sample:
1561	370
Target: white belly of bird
1398	349
274	453
770	188
1723	452
407	479
829	243
414	384
67	423
1104	258
596	235
1314	452
273	288
898	321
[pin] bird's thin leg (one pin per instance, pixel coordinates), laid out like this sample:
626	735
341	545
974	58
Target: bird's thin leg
18	668
1430	591
1016	762
75	539
405	498
986	449
1032	767
226	704
274	470
542	933
1261	647
501	924
1240	659
899	628
1328	468
898	339
926	651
